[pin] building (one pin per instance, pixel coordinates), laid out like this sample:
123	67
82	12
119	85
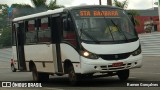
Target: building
148	20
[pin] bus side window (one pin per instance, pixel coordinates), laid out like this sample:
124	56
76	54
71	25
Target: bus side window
69	34
31	35
44	32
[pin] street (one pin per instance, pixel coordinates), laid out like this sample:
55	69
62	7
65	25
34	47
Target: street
149	72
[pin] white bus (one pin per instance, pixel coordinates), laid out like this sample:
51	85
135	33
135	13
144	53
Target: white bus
81	41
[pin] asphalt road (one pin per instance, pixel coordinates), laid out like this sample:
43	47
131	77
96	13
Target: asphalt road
149	73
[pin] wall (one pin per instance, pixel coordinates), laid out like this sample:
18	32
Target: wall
143	19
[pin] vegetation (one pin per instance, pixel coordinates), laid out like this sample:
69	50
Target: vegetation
20	10
40	5
124	5
5	38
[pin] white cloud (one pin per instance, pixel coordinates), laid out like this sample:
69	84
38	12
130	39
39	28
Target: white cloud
141	4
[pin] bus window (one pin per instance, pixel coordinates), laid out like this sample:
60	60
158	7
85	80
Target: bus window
44	34
69	32
31	36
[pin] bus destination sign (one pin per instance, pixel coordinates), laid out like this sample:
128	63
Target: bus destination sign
97	13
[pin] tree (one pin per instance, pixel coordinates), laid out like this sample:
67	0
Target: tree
5	38
40	5
3	15
52	5
124	5
21	10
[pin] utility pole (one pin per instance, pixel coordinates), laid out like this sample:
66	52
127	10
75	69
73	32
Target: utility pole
100	2
109	2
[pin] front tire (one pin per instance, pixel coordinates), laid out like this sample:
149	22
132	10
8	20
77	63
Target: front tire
73	77
35	74
123	75
39	76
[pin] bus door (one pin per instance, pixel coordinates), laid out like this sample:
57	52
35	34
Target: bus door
56	27
20	47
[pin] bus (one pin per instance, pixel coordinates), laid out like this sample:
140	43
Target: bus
80	41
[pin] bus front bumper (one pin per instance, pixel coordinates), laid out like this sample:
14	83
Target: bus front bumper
100	65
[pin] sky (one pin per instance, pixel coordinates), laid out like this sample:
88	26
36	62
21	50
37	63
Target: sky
133	4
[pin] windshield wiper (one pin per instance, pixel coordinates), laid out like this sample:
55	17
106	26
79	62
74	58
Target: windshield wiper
119	29
107	24
88	35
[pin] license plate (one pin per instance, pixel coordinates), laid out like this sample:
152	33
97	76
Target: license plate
117	64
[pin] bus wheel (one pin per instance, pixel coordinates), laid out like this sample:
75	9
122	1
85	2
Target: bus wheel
13	68
35	74
73	77
123	74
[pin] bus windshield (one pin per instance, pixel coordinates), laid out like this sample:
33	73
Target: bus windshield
104	25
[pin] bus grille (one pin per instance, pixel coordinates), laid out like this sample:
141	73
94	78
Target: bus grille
115	56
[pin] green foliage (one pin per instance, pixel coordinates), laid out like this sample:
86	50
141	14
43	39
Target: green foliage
39	3
5	31
4	12
133	12
123	4
52	5
21	10
3	16
20	6
5	38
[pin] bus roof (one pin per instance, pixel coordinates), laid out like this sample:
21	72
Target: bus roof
49	12
92	6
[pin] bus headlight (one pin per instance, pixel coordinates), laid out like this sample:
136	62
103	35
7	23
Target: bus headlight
89	55
137	51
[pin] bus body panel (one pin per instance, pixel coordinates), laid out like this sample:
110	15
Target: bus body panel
41	54
14	56
111	48
88	65
69	53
